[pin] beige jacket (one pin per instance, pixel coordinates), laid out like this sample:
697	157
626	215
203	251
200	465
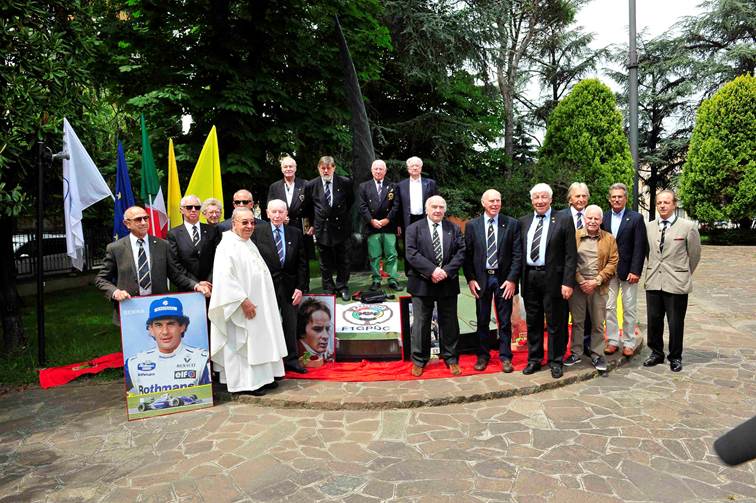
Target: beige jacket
672	270
608	257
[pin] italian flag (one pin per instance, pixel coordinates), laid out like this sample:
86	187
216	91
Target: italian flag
152	193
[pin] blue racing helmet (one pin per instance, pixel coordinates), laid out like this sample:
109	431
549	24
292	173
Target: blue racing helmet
167	307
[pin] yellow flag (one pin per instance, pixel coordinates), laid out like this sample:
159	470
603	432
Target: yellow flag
174	190
206	178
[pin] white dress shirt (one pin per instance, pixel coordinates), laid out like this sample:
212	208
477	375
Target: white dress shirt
416	196
542	245
135	252
440	230
189	228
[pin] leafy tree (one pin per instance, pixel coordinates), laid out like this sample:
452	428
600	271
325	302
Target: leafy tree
665	108
585	142
509	31
718	181
723	40
267	74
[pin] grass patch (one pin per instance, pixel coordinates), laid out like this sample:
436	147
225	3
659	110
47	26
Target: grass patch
78	327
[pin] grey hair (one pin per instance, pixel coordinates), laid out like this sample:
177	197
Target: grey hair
618	186
594	207
188	197
211	201
576	186
541	187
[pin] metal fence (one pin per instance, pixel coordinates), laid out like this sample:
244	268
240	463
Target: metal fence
55	259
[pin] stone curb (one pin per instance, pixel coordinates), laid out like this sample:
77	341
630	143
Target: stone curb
279	400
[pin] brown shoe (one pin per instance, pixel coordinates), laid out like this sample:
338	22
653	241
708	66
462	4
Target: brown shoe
454	368
626	351
610	349
481	364
417	370
506	366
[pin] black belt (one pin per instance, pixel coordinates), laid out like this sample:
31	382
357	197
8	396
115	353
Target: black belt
536	268
492	272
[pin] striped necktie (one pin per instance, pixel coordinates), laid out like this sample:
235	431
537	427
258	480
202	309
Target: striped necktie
491	258
665	223
145	283
195	235
437	251
535	249
579	224
279	245
327	194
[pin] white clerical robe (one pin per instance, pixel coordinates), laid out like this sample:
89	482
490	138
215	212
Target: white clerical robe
247	353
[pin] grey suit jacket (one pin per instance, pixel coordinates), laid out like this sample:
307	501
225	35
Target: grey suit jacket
119	271
672	270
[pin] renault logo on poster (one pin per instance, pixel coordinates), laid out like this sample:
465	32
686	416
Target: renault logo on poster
359	318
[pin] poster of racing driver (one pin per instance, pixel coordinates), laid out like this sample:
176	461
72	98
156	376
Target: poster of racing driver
165	349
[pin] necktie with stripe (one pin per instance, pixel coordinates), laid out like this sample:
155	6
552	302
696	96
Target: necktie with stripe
327	193
579	224
535	249
437	251
143	266
665	223
195	235
279	245
491	257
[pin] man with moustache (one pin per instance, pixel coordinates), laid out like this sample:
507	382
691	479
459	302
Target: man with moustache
139	264
493	255
435	252
379	209
282	248
330	198
674	250
193	243
629	230
548	278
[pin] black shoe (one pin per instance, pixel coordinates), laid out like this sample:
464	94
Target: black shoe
295	367
599	363
376	285
254	392
345	294
531	368
481	364
653	360
394	286
270	385
675	365
506	366
571	360
556	371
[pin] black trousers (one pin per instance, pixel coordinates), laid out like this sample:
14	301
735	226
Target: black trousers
448	326
491	291
288	322
673	306
334	259
540	302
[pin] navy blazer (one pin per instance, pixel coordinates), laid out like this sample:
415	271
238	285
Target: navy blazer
429	189
277	190
420	258
333	224
294	273
374	207
631	242
561	251
508	252
197	260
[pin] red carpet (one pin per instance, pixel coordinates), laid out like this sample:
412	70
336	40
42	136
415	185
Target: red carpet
366	371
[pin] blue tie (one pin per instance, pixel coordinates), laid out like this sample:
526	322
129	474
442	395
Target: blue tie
279	245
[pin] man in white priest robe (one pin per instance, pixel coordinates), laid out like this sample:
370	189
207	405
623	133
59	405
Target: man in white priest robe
247	343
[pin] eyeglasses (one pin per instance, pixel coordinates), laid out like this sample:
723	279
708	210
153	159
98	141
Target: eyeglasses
144	218
193	207
243	201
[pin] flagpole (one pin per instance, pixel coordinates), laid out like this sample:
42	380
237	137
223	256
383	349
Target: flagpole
152	213
41	357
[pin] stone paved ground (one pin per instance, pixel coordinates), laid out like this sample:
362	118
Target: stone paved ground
637	435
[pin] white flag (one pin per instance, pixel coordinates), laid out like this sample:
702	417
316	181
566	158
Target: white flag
83	186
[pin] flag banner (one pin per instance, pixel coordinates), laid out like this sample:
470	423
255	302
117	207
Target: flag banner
206	177
174	190
83	186
124	196
152	194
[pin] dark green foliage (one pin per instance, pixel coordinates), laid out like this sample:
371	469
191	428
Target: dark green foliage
718	182
585	142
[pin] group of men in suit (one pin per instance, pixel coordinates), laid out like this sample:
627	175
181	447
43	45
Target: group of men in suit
577	261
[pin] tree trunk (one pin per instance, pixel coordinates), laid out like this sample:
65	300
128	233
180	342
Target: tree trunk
10	301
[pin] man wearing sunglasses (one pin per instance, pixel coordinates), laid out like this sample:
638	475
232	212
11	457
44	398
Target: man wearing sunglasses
139	264
193	243
242	199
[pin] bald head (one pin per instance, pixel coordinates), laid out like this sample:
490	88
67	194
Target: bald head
243	198
491	201
277	212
